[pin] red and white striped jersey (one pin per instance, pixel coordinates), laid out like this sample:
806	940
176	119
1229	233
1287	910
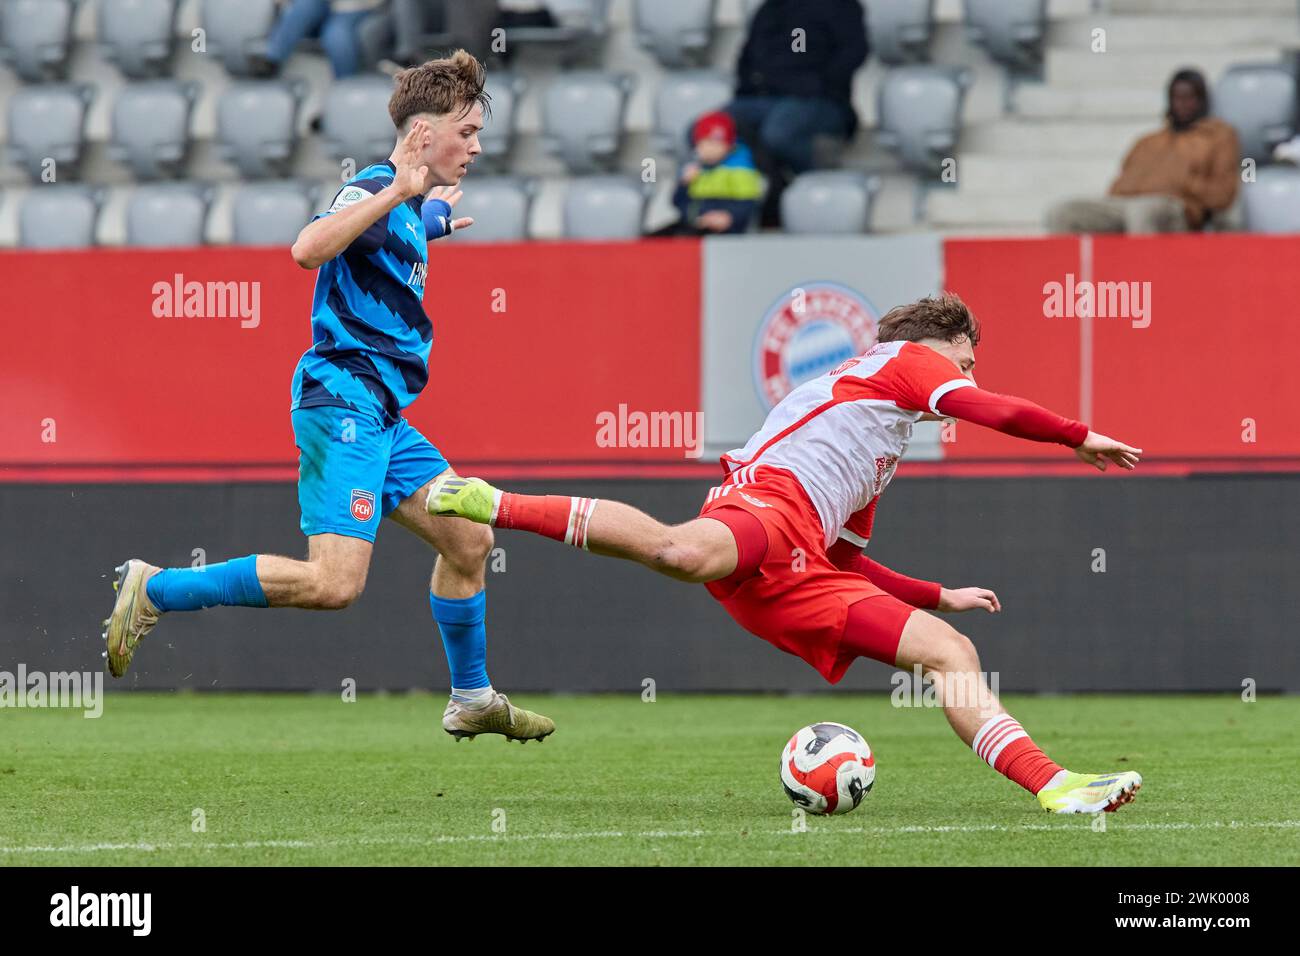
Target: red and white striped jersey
841	434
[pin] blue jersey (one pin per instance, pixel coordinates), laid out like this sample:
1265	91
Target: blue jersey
370	335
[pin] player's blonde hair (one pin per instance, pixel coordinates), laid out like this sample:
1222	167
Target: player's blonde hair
943	317
451	84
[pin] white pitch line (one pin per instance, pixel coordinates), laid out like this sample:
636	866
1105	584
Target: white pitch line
646	834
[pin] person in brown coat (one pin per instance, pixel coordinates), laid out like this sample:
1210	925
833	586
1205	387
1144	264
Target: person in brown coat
1172	180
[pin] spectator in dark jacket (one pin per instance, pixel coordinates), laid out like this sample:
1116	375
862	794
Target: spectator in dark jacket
794	82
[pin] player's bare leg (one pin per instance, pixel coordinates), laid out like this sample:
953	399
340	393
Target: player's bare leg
458	578
950	660
696	551
332	577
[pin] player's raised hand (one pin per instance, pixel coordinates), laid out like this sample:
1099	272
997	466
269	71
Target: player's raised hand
450	195
968	599
411	171
1097	450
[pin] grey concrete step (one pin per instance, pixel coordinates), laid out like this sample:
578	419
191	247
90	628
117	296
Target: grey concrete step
1041	101
1147	69
1036	175
1144	33
1083	137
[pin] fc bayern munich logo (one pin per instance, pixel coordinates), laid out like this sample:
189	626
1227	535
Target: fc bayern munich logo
808	331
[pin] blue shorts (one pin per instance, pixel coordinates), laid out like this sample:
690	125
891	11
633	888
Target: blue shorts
352	471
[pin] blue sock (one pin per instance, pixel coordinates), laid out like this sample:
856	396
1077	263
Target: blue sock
464	637
188	589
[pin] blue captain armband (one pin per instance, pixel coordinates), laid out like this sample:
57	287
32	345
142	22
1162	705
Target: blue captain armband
436	214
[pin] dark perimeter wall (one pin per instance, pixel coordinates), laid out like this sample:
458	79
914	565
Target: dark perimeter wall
1200	590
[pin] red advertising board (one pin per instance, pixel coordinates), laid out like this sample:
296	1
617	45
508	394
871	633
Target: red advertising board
541	349
1184	347
531	344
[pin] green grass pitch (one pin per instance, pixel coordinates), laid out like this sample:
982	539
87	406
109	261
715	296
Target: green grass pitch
313	780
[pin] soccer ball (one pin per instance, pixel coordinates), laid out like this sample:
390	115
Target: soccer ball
827	768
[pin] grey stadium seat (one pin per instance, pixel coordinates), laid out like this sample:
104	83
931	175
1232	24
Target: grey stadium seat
1272	201
680	100
1010	31
499	206
498	133
1259	100
831	202
604	207
272	213
138	36
59	217
375	38
676	32
355	121
919	114
419	26
580	25
257	125
167	215
48	122
900	31
582	118
36	36
237	28
151	123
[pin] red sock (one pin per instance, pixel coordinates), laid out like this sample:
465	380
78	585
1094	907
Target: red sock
1003	744
555	516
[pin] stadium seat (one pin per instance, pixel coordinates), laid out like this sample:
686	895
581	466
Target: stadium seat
419	27
151	123
582	118
830	202
48	122
355	120
919	112
1259	100
498	135
1272	201
59	217
271	213
499	206
604	207
167	215
236	29
1010	31
676	32
580	24
35	38
375	38
257	125
900	31
680	99
137	36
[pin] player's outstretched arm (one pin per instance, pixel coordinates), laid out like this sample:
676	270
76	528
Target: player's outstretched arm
322	240
1021	418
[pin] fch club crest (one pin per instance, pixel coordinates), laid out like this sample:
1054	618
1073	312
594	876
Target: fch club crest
808	331
363	505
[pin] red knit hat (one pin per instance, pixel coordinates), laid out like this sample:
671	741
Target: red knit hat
717	124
